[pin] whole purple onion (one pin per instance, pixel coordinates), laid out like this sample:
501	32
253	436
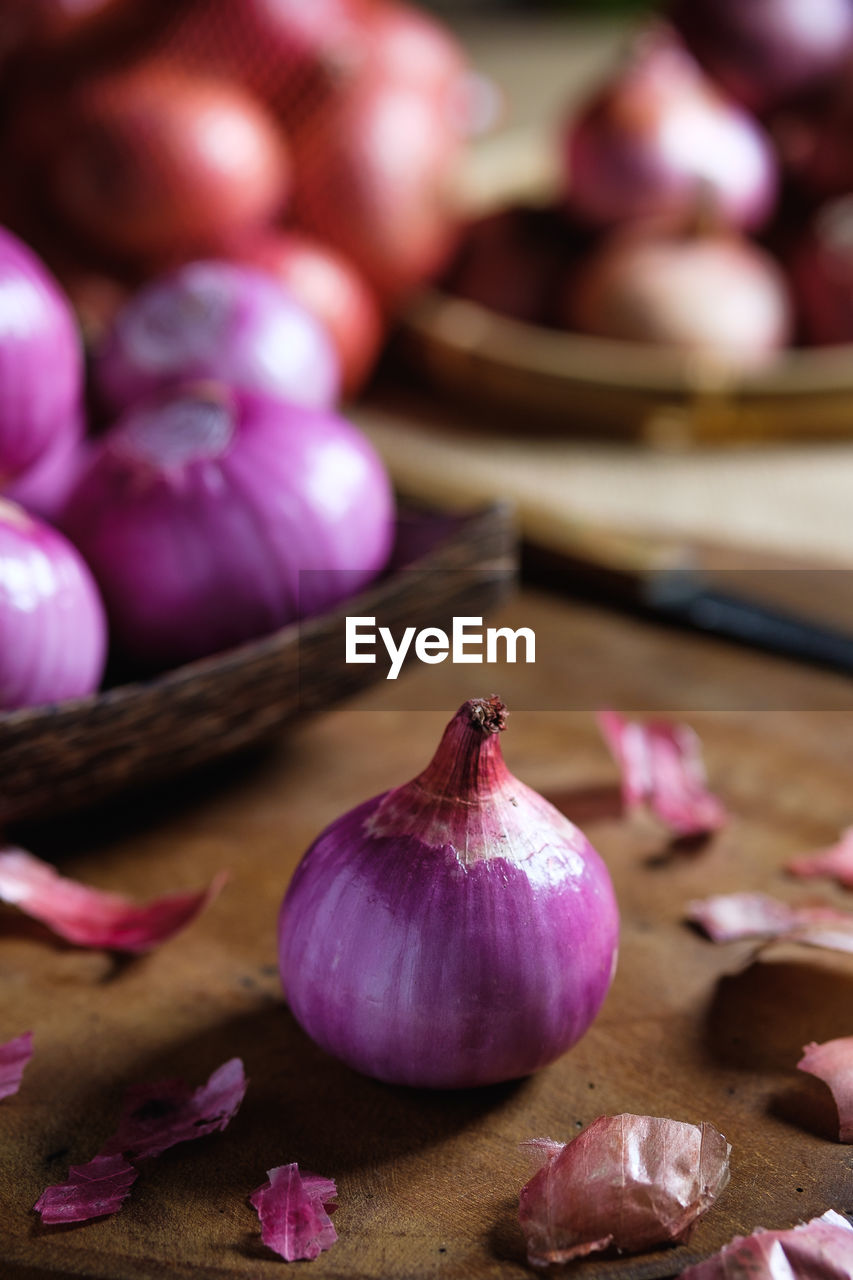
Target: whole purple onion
659	140
44	487
456	931
41	358
765	52
217	320
53	632
203	506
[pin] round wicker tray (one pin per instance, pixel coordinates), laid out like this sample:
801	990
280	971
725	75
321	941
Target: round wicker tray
572	383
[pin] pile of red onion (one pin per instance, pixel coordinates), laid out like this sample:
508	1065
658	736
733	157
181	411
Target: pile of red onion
319	141
695	177
226	499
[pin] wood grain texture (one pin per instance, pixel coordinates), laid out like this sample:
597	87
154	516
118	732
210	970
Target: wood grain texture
57	757
428	1182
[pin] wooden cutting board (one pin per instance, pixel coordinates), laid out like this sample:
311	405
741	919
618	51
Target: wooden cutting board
429	1182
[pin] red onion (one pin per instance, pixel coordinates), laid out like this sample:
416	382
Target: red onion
217	320
764	52
455	931
375	181
202	507
44	487
153	162
822	271
332	289
659	138
404	44
53	634
41	360
712	294
294	55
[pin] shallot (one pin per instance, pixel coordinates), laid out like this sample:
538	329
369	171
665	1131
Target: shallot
217	320
210	516
53	631
153	162
455	931
331	288
659	139
41	359
711	295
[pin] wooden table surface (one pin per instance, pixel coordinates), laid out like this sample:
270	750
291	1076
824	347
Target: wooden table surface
428	1182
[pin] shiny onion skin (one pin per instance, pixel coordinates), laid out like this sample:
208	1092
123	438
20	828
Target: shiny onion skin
152	161
217	320
766	52
456	931
659	139
712	295
44	487
41	359
202	506
332	289
374	179
53	631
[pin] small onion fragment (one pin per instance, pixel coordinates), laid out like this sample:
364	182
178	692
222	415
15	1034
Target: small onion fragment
53	629
835	861
832	1062
821	1249
154	1118
294	1209
93	917
219	320
44	487
661	766
14	1056
455	931
158	1116
736	917
93	1190
626	1182
41	358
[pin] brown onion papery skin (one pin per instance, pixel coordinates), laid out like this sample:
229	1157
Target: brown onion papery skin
711	295
766	52
455	931
153	162
374	178
658	137
822	273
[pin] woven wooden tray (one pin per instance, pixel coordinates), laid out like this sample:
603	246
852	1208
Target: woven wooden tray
58	757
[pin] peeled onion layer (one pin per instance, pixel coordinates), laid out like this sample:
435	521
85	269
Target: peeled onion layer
456	931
